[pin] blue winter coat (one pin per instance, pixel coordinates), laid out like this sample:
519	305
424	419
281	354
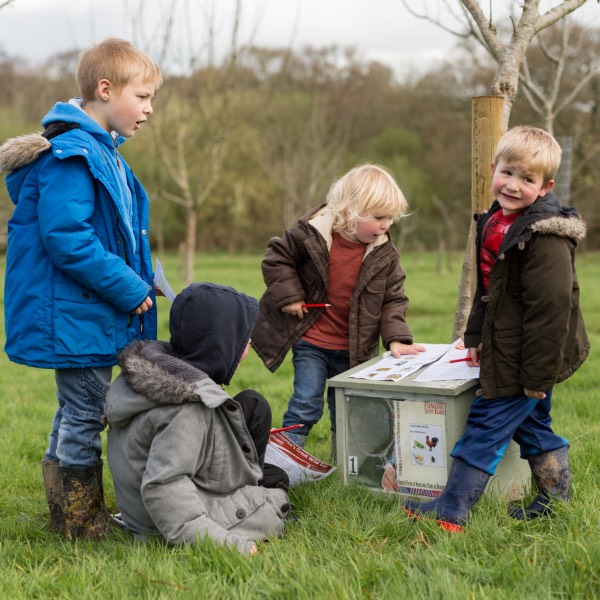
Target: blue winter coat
78	260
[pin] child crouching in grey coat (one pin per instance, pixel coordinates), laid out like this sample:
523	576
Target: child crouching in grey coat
186	459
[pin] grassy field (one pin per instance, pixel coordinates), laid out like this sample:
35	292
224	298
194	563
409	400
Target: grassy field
347	542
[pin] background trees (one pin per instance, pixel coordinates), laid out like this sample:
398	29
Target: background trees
242	147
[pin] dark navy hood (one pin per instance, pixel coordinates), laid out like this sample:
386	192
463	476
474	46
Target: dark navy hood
210	327
544	208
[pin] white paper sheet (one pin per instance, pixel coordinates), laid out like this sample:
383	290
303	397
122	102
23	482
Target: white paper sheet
444	370
394	369
161	283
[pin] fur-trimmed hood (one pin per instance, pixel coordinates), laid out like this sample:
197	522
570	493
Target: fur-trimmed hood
573	227
158	378
545	216
22	150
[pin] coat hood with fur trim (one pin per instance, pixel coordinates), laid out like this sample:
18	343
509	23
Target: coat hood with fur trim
210	328
22	150
158	378
544	216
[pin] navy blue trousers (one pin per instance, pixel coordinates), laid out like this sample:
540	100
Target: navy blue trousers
493	423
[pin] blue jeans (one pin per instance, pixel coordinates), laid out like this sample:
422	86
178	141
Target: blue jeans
75	438
492	424
312	367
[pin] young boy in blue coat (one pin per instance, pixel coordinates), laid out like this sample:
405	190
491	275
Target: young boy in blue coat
79	278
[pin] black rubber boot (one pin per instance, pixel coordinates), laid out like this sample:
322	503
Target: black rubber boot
51	475
82	495
451	508
552	475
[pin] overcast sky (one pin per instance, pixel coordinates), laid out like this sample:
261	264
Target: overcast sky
379	29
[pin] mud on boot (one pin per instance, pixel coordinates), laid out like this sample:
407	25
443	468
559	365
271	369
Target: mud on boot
552	475
451	508
51	476
82	495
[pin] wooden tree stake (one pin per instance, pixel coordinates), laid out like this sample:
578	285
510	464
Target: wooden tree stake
486	129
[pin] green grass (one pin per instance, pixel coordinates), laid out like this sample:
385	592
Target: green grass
347	543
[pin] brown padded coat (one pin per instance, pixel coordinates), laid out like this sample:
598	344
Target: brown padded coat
295	268
529	323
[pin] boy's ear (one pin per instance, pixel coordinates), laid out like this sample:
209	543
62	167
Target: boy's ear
546	188
493	167
103	89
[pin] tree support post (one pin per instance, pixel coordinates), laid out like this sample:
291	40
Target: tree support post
487	126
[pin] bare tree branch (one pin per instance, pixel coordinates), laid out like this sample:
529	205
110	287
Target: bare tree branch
436	21
558	12
547	102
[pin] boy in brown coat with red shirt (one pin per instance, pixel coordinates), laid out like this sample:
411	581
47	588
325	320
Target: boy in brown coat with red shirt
525	331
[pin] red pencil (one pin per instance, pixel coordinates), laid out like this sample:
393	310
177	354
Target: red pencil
287	428
460	360
315	305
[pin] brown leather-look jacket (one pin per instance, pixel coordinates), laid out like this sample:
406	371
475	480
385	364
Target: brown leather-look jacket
295	268
529	322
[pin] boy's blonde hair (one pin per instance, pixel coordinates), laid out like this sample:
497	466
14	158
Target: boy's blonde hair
533	146
367	188
117	60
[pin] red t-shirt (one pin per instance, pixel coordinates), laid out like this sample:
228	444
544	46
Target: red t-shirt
491	240
331	330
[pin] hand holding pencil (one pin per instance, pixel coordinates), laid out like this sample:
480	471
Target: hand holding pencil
301	307
316	305
472	357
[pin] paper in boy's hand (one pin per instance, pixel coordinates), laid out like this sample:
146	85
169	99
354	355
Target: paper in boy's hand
161	283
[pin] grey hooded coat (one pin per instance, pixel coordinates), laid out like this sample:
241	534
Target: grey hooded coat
183	462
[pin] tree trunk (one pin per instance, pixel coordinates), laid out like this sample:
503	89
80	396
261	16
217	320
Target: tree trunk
190	244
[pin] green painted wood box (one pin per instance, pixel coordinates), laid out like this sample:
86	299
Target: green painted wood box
405	430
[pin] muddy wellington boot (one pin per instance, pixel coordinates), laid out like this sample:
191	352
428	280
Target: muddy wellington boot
51	475
83	503
552	475
451	508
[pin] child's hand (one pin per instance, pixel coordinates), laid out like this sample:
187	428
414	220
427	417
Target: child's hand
145	306
473	356
295	308
398	349
534	394
253	550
